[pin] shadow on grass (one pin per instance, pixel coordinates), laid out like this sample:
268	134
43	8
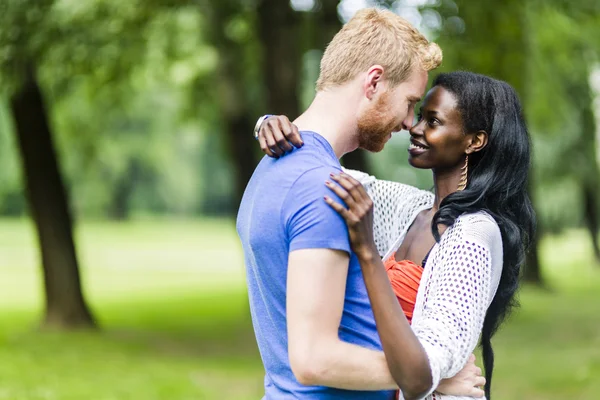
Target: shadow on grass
192	326
182	346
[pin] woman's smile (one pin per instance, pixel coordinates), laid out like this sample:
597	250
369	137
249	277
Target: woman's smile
416	148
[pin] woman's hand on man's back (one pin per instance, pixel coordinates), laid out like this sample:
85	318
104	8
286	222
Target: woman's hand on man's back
277	136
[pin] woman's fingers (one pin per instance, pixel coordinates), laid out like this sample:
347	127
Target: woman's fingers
337	207
263	134
342	194
290	132
277	136
271	142
265	147
356	190
267	135
280	137
294	135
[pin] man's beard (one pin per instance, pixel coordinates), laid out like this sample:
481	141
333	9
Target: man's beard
375	125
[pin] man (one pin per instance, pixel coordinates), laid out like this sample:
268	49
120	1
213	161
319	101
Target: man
311	314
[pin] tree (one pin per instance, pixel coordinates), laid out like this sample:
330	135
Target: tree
68	41
230	27
493	39
279	30
49	207
561	35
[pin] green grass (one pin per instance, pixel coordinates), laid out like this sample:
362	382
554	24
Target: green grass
170	298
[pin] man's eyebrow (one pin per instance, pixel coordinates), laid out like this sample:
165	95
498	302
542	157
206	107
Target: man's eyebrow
414	99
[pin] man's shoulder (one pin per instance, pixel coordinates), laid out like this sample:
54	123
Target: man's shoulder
315	148
311	181
307	165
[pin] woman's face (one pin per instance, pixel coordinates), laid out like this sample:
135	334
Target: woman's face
438	140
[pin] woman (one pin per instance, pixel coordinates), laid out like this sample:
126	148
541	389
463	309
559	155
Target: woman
461	247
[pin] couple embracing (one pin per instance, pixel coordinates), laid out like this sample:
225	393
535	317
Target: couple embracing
367	289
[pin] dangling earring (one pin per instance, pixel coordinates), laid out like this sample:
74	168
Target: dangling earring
462	184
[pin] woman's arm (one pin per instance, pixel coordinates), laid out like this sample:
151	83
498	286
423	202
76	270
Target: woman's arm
405	356
444	337
463	276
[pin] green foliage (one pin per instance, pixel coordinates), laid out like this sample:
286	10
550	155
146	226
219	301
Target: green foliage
546	51
119	78
139	92
23	38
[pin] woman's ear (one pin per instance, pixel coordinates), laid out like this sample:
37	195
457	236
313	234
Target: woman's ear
478	142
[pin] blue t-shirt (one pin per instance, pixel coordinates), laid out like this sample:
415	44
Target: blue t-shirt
283	210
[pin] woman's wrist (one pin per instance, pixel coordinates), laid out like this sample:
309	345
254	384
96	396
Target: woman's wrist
367	254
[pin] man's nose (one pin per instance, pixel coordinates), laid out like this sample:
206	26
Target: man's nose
407	124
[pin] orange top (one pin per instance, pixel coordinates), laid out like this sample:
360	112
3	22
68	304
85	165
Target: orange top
405	277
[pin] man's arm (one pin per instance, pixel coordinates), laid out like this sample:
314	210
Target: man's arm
316	286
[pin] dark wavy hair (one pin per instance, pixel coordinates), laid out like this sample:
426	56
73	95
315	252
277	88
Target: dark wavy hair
497	184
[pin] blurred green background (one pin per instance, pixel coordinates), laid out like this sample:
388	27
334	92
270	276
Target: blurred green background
126	142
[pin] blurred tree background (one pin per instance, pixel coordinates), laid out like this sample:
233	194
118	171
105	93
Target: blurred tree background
128	117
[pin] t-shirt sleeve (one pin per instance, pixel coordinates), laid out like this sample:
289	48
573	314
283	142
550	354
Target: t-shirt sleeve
310	222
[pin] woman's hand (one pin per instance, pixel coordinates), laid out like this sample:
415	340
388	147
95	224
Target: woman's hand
358	215
277	135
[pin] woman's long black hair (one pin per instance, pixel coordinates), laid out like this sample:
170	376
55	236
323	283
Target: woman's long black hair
497	184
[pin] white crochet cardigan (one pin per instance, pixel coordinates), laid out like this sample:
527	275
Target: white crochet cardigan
460	278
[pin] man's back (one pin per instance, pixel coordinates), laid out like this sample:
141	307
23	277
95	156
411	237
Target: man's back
282	211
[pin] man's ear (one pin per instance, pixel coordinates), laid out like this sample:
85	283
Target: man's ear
373	81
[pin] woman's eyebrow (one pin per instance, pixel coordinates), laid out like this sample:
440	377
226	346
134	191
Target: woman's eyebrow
428	111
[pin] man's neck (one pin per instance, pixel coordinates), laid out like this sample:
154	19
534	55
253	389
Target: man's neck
332	114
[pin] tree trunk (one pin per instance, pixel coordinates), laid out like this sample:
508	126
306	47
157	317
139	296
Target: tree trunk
242	147
590	195
65	305
589	171
232	93
357	160
533	271
125	185
238	119
328	23
279	27
506	59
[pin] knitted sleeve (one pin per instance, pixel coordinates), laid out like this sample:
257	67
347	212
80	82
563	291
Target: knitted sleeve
456	289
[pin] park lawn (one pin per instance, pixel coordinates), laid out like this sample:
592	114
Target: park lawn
170	299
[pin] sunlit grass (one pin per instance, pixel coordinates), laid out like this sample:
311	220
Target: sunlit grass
170	298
